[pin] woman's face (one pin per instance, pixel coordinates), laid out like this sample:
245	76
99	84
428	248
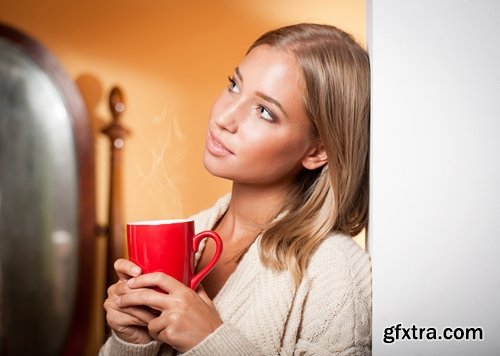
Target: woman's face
258	130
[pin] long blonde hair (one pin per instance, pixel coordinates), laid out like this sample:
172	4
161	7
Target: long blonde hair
333	198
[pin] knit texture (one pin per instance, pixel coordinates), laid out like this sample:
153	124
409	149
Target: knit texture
264	314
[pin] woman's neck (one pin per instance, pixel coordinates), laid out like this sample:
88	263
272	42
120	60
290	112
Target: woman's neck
250	209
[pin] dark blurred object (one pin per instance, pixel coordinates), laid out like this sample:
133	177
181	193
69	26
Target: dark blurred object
47	204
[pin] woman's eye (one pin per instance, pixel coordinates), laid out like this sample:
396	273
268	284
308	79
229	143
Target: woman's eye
233	86
266	114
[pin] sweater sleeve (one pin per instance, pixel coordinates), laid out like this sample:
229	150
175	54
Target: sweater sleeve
336	316
115	346
226	340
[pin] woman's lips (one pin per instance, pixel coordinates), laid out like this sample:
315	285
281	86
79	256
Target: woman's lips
216	147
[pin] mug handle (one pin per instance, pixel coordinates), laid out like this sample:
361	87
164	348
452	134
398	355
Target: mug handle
218	250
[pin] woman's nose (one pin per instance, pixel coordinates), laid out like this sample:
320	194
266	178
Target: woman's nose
227	117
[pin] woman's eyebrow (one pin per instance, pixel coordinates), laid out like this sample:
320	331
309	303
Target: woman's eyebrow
273	101
262	95
238	74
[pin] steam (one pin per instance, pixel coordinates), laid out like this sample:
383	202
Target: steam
167	151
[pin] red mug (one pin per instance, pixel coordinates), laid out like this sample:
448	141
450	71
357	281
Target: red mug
169	246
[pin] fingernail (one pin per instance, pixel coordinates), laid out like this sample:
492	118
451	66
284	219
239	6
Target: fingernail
131	281
136	271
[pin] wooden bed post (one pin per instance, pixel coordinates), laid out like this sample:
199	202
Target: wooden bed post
116	226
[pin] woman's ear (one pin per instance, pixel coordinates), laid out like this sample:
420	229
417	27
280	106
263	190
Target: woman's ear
316	157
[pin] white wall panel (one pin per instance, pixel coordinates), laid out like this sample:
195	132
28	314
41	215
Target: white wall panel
434	232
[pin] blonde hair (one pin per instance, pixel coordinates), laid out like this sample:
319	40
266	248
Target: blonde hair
333	198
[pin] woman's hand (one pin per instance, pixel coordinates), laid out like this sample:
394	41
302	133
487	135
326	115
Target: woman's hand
129	323
187	317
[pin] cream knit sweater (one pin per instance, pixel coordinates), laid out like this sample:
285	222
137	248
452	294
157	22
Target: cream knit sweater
264	314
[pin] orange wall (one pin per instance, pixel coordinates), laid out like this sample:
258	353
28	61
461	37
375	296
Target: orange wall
171	58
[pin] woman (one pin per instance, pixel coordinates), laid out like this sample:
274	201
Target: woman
291	131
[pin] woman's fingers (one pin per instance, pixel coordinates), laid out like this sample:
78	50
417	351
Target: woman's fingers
130	324
128	321
138	316
126	269
184	317
158	279
145	297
